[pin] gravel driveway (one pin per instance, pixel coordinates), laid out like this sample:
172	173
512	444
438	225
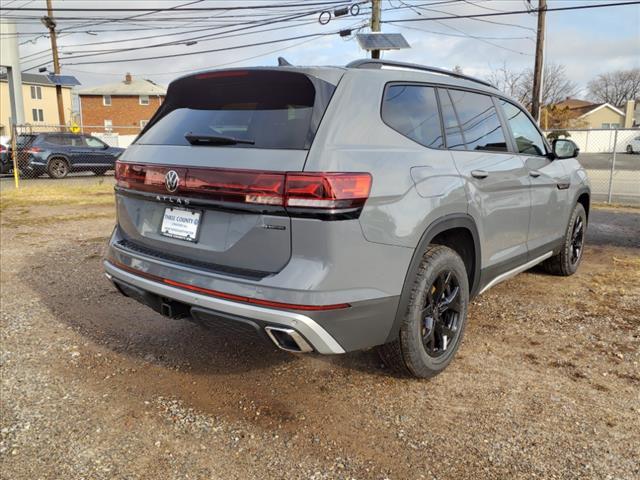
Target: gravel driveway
95	386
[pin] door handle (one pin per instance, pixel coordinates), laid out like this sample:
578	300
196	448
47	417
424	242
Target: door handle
534	173
479	174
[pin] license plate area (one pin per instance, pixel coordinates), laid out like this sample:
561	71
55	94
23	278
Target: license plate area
181	223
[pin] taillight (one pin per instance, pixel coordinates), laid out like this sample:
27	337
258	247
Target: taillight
327	195
2	148
327	190
34	150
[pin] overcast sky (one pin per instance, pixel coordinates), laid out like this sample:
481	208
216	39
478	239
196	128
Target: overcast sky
587	42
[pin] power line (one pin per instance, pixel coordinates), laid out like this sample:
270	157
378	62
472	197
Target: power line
518	12
186	9
462	35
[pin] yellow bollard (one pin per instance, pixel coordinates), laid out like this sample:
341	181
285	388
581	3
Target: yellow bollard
14	157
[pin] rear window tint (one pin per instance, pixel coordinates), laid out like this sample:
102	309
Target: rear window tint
452	131
412	110
273	109
479	121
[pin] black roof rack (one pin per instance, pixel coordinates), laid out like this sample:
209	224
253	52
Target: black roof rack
375	63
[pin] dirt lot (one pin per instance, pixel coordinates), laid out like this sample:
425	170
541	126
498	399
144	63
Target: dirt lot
546	384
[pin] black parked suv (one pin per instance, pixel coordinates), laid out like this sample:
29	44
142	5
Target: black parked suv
57	154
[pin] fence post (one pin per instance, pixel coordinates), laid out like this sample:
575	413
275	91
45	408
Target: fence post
14	155
613	165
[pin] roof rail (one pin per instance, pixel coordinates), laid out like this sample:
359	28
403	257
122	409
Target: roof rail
375	63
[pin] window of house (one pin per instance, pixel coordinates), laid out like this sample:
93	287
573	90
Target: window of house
527	137
412	110
144	99
143	123
481	127
106	100
108	125
36	92
37	114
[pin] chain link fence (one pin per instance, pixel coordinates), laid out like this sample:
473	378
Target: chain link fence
62	151
612	160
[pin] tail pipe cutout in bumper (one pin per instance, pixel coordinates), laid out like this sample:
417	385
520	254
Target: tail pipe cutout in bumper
290	331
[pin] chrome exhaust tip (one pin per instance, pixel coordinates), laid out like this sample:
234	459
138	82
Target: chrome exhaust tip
288	339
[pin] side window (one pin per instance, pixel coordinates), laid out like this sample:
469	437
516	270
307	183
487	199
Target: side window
479	121
58	140
528	139
412	110
93	142
452	131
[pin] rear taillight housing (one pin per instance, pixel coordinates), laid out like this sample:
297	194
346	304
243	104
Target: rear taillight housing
327	195
34	150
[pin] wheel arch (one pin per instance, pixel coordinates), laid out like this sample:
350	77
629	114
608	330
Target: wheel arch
583	196
58	155
457	231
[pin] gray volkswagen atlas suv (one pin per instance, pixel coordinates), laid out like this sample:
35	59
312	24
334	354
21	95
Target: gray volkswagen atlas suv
333	209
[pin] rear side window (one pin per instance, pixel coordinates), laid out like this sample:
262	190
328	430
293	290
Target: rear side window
272	109
452	131
412	110
479	121
528	139
58	139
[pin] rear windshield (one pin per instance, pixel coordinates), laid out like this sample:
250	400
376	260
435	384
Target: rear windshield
265	108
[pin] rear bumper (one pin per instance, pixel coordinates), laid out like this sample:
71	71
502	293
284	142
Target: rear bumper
317	336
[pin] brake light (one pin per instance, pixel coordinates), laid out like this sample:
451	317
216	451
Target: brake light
330	194
34	150
327	190
2	148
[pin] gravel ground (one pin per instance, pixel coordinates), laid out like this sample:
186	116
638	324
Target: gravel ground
95	386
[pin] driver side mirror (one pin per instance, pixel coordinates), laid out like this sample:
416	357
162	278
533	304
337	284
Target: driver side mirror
564	148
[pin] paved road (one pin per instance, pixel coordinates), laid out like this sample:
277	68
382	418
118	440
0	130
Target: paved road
602	161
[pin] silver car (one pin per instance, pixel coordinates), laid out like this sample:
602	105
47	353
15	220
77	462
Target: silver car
333	209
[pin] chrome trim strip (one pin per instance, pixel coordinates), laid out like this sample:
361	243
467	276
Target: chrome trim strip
312	331
303	346
513	272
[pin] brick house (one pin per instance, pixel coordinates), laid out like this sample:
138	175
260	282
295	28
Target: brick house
124	107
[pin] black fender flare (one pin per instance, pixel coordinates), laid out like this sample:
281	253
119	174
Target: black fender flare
457	220
582	190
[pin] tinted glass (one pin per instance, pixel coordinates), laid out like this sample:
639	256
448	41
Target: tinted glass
93	142
23	140
413	111
452	130
528	139
270	108
479	121
58	139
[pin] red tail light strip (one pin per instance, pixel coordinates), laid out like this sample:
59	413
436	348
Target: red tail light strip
299	190
230	296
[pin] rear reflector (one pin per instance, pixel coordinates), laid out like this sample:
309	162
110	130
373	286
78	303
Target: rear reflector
327	191
230	296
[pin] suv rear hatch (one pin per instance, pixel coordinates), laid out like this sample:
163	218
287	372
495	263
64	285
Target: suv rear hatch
204	183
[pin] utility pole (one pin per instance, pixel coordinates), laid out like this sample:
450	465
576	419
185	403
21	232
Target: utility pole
539	65
375	23
50	23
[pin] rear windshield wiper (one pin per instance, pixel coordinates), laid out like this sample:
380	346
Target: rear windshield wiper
205	139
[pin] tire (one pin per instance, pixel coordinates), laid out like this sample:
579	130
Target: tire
629	149
423	348
568	260
58	168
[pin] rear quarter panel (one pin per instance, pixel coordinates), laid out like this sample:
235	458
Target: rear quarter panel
412	184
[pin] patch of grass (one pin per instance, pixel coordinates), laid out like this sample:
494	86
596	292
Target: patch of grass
36	195
36	221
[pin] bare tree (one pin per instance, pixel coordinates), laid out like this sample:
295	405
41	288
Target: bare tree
519	84
615	87
509	82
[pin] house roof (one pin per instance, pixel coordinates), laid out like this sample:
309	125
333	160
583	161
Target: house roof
581	108
573	103
603	105
129	86
33	79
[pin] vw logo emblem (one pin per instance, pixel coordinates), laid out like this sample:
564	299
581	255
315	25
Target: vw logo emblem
171	180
